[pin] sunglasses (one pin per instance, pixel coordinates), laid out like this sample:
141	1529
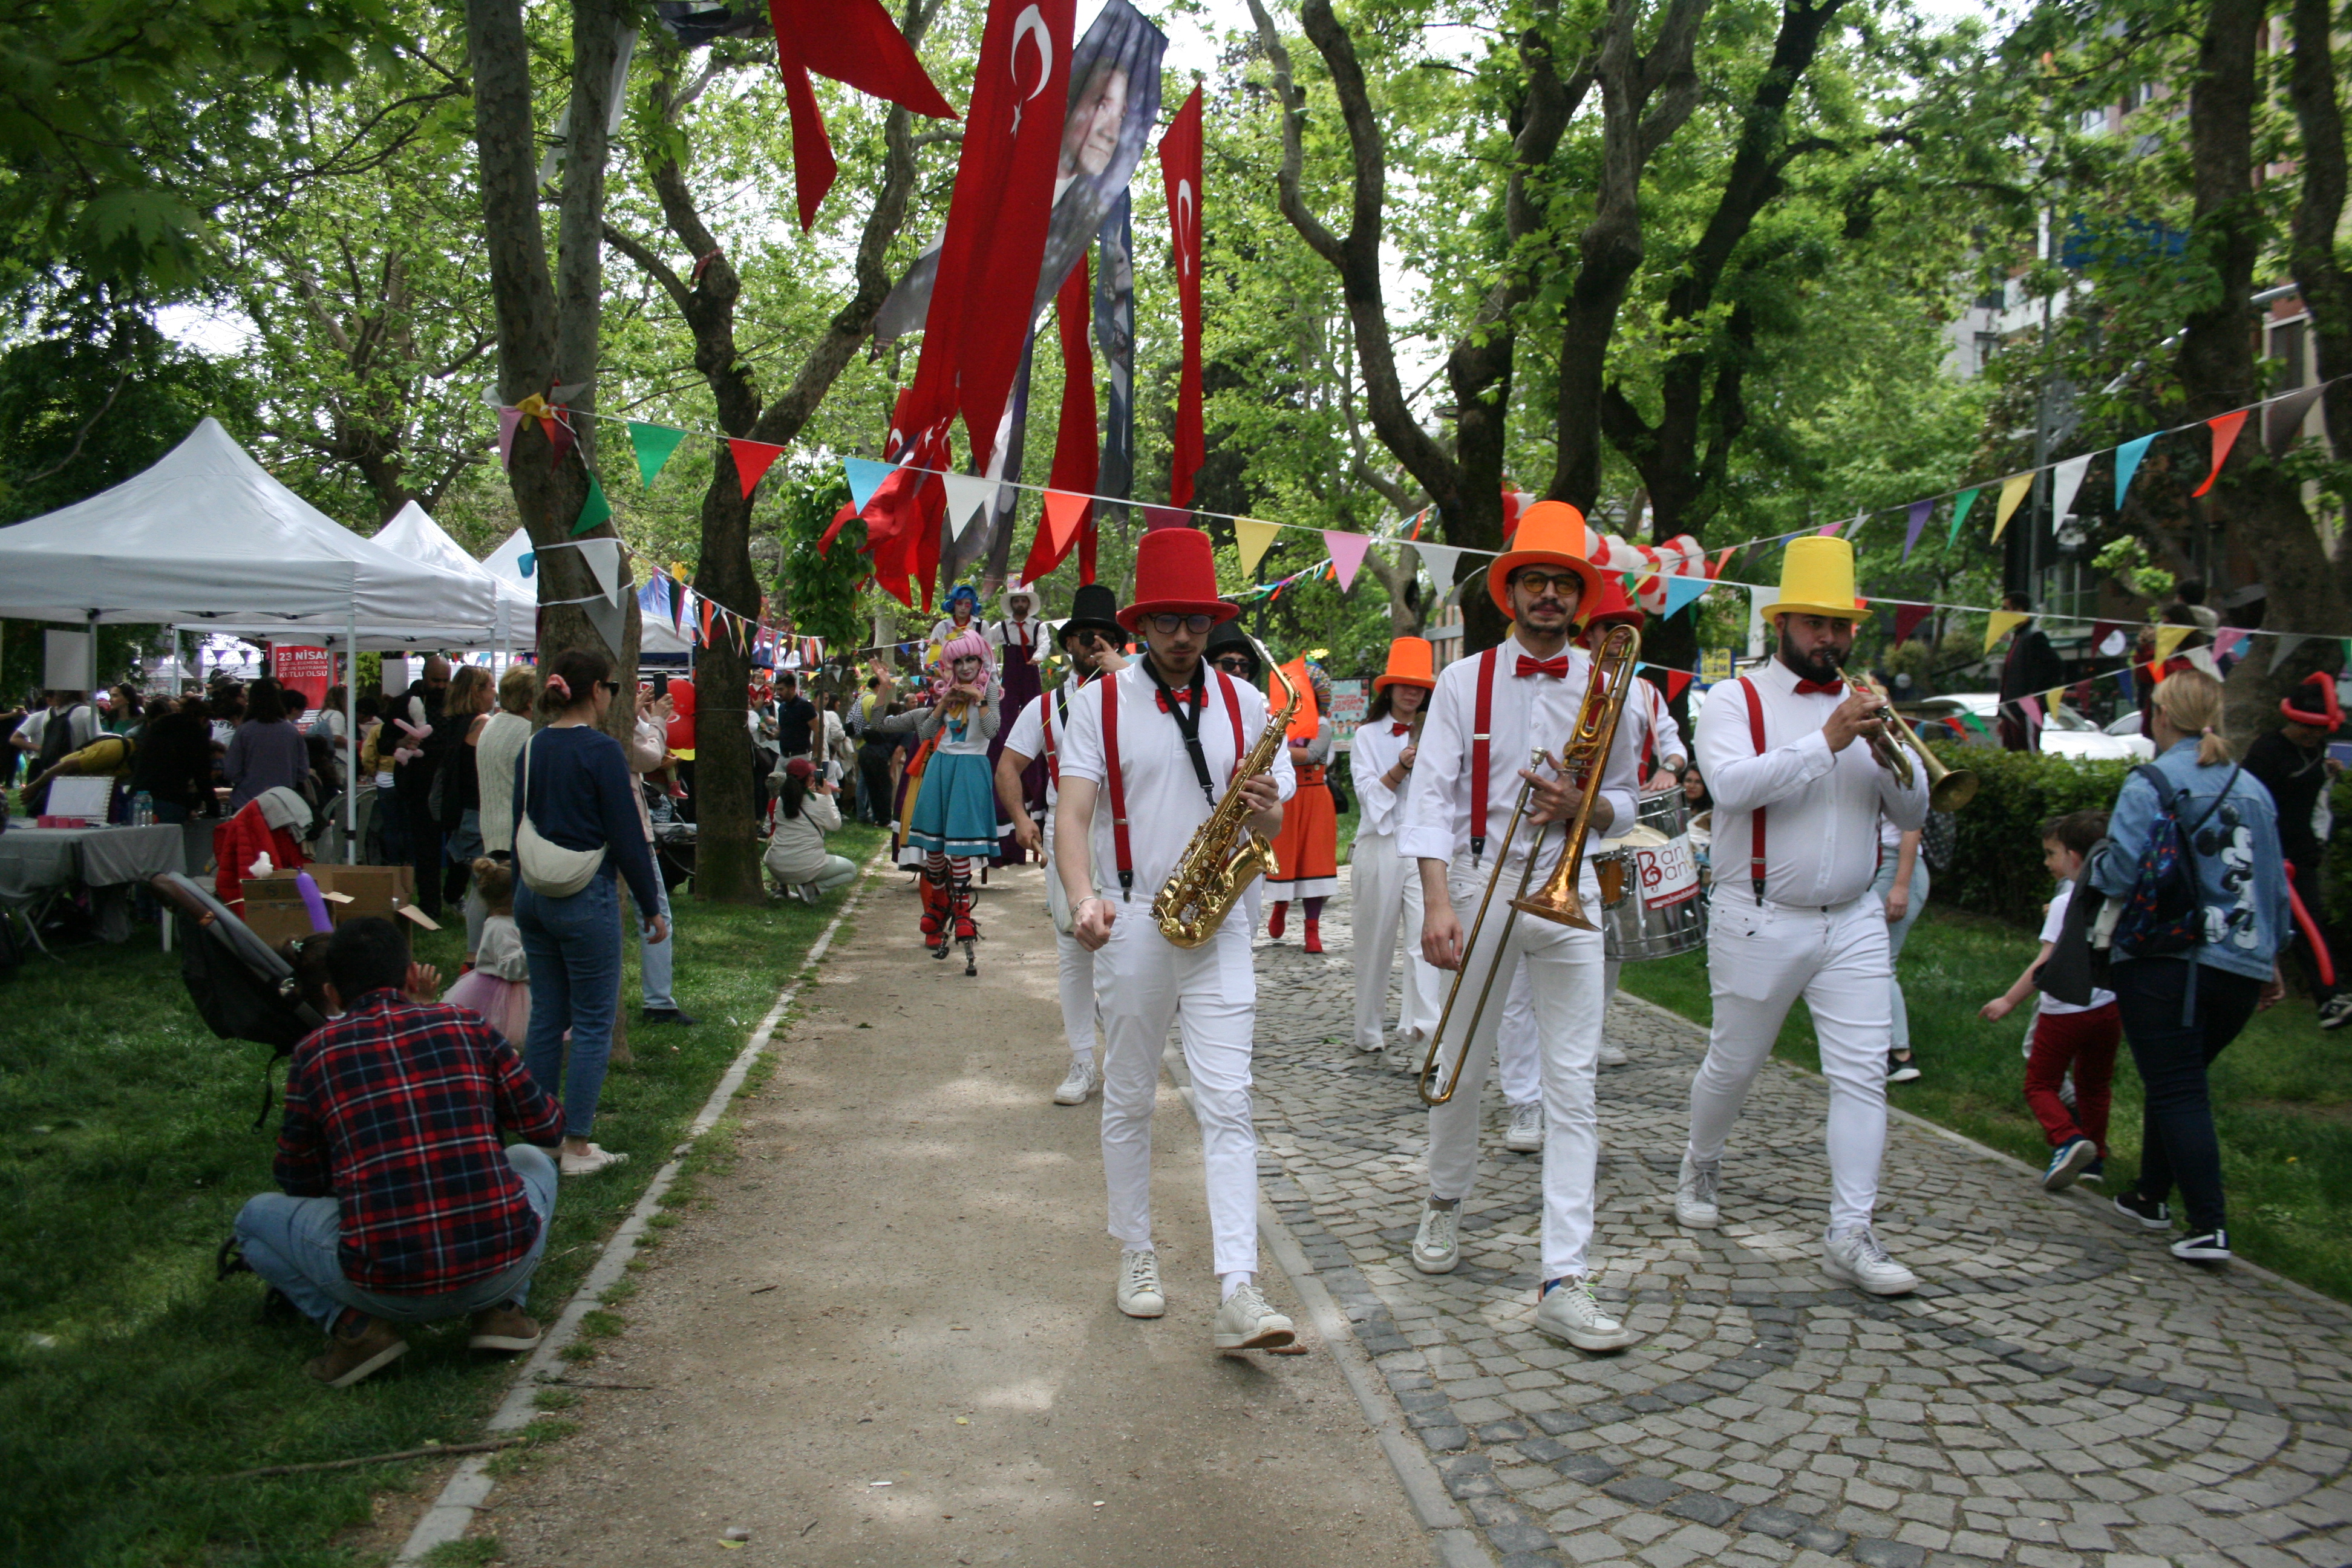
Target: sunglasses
1542	582
1168	625
1235	663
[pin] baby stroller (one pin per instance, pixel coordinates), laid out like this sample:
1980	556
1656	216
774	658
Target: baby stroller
243	988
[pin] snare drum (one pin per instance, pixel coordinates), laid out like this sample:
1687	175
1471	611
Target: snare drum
1662	913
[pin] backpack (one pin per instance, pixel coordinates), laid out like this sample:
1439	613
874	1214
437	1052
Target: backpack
2163	915
1938	837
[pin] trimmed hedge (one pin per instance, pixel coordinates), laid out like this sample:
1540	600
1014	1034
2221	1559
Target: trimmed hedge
1996	866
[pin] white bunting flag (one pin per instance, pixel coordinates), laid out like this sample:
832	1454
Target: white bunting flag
1441	560
966	495
2064	480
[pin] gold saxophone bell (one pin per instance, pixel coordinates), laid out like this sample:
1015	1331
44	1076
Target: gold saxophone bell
1225	854
1948	788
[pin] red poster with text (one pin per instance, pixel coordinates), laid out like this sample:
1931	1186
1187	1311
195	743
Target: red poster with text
304	670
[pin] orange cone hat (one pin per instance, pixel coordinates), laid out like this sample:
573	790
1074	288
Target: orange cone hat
1411	662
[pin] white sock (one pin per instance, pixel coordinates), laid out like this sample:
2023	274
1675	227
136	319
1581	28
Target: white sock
1232	1282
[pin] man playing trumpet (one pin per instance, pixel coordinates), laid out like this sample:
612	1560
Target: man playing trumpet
1796	803
1487	711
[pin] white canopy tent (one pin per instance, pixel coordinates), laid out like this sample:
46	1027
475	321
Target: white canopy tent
505	564
412	534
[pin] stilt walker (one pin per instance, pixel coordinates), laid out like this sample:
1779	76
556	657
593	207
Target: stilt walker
1090	639
1020	646
1385	888
1151	751
1488	712
952	817
1306	856
1795	792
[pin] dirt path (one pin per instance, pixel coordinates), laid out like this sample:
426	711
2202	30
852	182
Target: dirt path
904	1279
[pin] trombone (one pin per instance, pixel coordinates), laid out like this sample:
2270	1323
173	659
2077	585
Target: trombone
1948	788
1558	899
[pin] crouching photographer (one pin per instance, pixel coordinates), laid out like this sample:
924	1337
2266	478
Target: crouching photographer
402	1202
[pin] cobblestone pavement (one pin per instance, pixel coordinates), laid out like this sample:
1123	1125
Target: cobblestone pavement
2059	1393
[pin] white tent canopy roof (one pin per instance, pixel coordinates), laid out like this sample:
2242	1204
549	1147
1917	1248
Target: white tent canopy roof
655	635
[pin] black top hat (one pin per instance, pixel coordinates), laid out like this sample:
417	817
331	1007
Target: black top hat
1093	608
1227	637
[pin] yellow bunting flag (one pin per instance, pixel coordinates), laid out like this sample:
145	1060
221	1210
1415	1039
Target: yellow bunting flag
2169	638
2013	490
2053	698
1999	624
1253	538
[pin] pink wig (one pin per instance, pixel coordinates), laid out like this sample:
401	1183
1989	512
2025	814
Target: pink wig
967	645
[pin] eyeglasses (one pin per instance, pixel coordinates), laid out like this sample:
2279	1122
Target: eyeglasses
1168	625
1542	582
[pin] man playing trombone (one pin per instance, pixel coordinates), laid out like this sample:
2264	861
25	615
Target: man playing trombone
1487	713
1797	804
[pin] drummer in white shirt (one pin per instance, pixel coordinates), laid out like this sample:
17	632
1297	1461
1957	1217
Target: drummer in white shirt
1384	887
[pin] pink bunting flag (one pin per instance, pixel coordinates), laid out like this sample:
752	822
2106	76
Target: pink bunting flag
1829	528
2225	435
2033	706
508	418
1347	554
2226	640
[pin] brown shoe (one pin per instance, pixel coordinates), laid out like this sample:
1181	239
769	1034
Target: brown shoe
355	1354
504	1326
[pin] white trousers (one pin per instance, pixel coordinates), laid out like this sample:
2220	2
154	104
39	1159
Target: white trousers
1759	959
1563	966
1141	984
1075	968
1384	891
1515	1046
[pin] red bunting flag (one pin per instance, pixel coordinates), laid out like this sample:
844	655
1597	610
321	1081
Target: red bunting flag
1077	453
1908	619
855	43
1180	171
1675	680
1064	512
753	459
2225	435
1720	563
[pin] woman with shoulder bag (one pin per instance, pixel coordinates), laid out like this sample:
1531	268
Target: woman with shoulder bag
576	833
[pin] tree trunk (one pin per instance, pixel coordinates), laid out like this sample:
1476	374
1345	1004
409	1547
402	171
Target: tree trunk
2318	271
2261	505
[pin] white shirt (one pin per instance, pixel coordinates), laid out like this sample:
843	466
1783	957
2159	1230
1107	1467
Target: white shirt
1027	636
2054	922
81	722
1822	828
1373	753
944	630
1529	713
1653	725
1164	799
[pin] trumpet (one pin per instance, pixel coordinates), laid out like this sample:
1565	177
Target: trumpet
1948	789
1558	899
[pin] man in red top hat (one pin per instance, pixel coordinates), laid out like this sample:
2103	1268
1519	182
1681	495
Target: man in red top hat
1487	711
2292	763
1149	751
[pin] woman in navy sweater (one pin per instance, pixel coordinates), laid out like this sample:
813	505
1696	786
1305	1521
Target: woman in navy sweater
573	784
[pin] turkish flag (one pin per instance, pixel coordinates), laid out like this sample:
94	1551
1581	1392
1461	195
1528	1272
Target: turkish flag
1180	170
855	43
995	242
1077	457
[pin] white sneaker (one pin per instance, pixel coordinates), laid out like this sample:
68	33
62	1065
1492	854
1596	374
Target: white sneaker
1246	1323
1139	1284
1525	1135
1694	1206
1434	1248
1855	1259
593	1161
1567	1311
1083	1082
1612	1055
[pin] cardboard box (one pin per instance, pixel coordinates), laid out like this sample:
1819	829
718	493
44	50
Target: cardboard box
381	890
274	909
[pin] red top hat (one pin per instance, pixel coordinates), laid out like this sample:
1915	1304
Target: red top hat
1550	533
1175	575
2326	713
1611	606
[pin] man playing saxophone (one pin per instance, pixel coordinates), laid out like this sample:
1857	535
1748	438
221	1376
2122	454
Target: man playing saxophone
1150	752
1487	713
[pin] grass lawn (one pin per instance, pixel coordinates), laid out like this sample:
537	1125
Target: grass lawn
129	1379
2281	1092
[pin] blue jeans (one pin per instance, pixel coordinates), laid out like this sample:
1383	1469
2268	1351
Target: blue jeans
574	948
1897	931
292	1243
657	960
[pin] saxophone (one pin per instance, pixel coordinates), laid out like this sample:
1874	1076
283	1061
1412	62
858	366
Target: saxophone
1226	854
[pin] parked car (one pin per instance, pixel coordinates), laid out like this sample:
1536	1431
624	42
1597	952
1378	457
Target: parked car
2064	732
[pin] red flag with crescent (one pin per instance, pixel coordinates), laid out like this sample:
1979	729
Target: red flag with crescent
855	43
1180	170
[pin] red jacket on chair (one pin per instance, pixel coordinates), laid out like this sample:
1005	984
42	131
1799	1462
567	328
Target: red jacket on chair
243	840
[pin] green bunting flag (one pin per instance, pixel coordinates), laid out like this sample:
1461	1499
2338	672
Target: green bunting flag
592	511
1971	720
1960	504
654	443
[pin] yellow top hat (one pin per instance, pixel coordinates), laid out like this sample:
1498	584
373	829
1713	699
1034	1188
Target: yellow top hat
1817	579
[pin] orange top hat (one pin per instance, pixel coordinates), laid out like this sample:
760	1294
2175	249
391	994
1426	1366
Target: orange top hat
2317	708
1175	573
1411	662
1550	533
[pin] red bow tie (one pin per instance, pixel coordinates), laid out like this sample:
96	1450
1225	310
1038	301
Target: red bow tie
1831	688
1400	729
1184	697
1557	668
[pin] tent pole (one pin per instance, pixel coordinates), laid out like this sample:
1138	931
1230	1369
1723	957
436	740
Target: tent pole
351	731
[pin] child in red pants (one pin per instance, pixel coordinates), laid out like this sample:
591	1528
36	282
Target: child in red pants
2065	1035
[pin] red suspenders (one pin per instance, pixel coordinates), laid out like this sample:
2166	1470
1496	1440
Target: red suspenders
1756	818
1045	719
1478	749
1117	775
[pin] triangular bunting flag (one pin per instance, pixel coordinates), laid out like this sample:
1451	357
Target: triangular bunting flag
2226	641
2225	427
2053	698
2287	644
1064	512
653	444
1919	510
1166	517
508	419
609	621
702	611
1829	528
1675	680
2124	682
595	510
1721	562
604	558
2127	456
560	437
1252	539
753	459
2064	480
1680	592
2031	707
2013	490
2282	419
866	477
1997	626
1908	619
2169	638
1971	720
1347	554
1960	504
1442	561
966	495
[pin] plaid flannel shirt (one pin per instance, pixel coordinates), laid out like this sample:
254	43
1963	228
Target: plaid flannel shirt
395	1110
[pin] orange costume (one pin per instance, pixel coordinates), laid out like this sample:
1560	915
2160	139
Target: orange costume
1306	850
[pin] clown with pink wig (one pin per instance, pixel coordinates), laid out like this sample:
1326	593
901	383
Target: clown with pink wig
953	817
